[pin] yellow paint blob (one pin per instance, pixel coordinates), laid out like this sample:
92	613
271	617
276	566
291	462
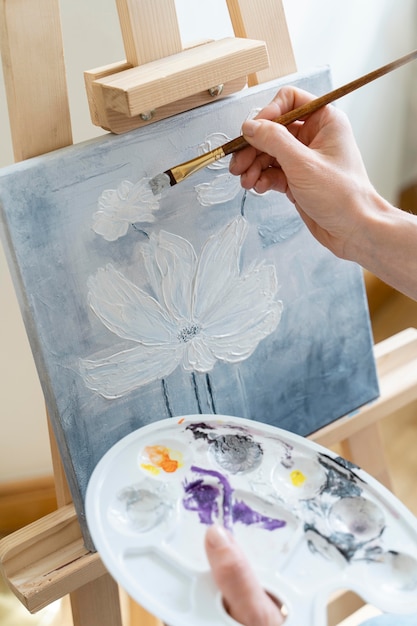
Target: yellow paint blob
163	458
150	468
297	478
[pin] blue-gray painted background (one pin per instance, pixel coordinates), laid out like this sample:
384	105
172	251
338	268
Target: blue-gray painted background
124	295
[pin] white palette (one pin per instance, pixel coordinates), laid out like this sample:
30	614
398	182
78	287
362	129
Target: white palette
309	522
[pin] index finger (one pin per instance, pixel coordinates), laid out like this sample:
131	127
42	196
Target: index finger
286	99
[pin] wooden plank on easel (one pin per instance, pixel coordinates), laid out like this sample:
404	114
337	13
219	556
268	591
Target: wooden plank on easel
34	78
265	20
146	87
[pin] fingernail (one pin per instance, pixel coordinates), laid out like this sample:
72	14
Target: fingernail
218	537
250	127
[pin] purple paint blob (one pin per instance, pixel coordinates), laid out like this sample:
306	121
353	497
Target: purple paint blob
202	498
215	501
243	513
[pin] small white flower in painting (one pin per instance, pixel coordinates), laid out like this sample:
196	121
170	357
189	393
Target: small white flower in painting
223	187
212	141
202	310
128	204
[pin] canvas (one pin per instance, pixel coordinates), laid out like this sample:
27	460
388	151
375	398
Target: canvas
205	299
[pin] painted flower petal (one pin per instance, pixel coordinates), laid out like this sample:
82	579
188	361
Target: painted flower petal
108	227
198	357
222	188
133	202
247	299
140	195
239	346
171	263
126	310
248	315
118	374
218	267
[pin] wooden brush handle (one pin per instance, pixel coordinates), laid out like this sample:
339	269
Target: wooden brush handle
306	109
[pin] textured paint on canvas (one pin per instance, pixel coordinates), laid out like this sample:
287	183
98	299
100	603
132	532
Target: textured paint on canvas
204	299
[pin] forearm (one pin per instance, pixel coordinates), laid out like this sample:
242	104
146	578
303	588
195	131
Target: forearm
386	244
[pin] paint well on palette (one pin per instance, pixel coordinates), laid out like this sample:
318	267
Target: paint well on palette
211	496
302	478
394	571
144	508
358	517
236	453
139	508
162	458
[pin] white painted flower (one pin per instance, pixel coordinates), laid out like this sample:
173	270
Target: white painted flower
224	186
202	310
128	204
212	141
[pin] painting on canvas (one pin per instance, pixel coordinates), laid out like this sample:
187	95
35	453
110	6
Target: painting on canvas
202	299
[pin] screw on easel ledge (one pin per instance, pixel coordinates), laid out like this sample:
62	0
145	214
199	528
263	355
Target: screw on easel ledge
148	115
215	91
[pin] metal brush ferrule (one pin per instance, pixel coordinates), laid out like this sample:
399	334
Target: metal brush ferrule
184	170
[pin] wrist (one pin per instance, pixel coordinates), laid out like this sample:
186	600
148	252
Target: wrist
385	242
371	216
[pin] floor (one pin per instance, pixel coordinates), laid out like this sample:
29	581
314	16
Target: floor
399	435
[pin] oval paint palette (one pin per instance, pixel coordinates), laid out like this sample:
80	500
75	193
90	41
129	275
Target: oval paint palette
309	522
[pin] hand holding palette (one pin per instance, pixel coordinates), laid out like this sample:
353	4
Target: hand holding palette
309	522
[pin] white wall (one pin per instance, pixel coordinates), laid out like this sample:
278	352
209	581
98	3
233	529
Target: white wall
353	38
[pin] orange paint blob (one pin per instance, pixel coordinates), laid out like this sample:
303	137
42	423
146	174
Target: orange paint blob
161	457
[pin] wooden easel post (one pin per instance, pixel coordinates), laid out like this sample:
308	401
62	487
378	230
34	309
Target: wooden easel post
34	71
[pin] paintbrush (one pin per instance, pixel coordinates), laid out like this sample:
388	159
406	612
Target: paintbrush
176	174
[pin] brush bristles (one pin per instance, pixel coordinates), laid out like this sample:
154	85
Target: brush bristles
161	182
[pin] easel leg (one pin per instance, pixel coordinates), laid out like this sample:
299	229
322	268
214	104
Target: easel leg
140	616
366	450
97	603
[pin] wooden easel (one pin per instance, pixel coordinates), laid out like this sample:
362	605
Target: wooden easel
47	560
